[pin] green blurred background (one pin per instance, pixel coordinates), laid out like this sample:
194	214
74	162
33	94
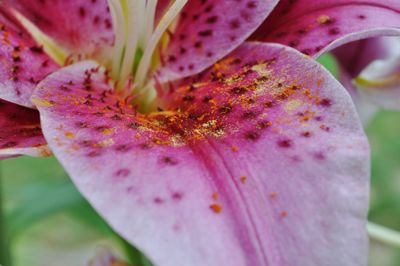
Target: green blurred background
49	223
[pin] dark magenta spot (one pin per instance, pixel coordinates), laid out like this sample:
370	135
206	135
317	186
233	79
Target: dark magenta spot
177	196
145	146
306	134
264	124
205	33
133	125
252	135
294	43
158	200
188	98
212	19
238	90
94	153
334	31
325	102
249	115
82	124
124	172
226	109
9	144
251	4
285	143
169	161
319	156
234	24
123	147
207	99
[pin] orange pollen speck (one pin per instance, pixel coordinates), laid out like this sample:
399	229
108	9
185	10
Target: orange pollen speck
273	195
216	208
69	135
243	179
234	148
215	195
284	214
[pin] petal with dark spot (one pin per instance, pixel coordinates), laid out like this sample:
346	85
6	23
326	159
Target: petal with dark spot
20	132
82	27
204	184
23	63
208	30
314	27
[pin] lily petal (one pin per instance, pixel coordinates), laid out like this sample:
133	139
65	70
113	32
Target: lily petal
315	27
23	63
82	27
207	31
365	109
260	160
20	132
376	63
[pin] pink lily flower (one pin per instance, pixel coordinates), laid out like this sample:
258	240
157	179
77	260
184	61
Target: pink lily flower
197	147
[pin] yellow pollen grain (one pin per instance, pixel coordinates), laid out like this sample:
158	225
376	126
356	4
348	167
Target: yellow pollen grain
323	19
292	105
42	103
105	143
243	179
216	208
138	136
69	134
261	69
107	131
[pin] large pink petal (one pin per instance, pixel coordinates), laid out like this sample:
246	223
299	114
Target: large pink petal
314	27
83	27
258	161
23	63
207	31
20	132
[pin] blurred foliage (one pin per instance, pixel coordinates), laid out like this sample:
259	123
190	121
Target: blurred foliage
38	192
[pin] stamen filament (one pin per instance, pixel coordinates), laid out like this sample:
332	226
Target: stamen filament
150	19
120	31
135	12
162	26
58	54
383	234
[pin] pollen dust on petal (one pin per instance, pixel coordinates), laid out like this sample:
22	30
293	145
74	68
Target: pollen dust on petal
217	208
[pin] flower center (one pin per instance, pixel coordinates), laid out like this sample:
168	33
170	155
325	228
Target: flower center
136	40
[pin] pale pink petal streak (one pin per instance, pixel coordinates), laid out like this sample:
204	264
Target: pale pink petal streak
314	27
259	160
